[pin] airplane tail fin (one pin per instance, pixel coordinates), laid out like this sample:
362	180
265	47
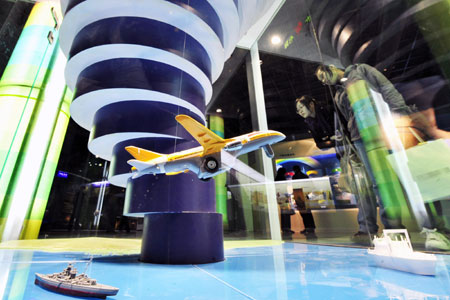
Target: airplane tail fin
142	154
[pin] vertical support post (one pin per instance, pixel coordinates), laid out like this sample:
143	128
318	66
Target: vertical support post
101	196
259	122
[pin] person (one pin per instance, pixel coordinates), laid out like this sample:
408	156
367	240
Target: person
308	219
318	119
330	75
284	203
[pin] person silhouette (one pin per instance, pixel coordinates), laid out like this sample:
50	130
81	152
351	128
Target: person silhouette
284	203
308	219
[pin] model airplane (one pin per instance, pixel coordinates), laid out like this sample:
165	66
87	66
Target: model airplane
205	160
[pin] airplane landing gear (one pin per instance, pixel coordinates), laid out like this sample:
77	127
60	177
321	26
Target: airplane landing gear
211	164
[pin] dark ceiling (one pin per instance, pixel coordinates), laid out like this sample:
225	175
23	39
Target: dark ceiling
12	19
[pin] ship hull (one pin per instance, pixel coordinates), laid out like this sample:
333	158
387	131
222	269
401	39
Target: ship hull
75	290
421	266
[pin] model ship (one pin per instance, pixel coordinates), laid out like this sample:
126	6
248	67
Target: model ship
69	283
394	251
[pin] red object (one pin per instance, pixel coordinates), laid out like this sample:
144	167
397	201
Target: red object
299	27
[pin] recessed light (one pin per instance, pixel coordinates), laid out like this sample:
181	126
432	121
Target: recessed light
275	40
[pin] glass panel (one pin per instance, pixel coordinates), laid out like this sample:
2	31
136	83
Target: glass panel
379	102
230	114
81	196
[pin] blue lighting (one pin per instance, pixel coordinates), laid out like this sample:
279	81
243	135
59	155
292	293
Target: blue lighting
100	183
62	174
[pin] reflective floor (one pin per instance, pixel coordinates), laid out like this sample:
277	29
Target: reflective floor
287	271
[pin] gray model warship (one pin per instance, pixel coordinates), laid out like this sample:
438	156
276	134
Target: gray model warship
69	283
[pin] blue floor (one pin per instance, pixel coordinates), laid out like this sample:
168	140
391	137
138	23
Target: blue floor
288	271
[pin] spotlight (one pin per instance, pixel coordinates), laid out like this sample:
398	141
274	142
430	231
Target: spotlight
276	40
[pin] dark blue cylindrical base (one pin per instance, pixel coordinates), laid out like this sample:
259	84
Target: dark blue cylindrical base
182	238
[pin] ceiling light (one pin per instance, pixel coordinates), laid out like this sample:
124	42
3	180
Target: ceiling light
276	40
219	110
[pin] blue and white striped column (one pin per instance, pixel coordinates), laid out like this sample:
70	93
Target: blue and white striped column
135	65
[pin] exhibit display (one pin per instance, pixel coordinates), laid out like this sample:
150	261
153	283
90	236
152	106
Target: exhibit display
205	160
130	85
224	149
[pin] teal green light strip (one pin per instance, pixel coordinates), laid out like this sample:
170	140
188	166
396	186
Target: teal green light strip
22	114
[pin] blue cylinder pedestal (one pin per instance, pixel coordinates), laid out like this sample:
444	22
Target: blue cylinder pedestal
182	238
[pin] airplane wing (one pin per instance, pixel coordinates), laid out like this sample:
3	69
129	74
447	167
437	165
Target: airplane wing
142	154
210	141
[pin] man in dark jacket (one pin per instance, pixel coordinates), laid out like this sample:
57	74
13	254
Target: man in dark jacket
330	75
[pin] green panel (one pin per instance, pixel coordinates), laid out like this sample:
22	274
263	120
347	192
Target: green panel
18	91
389	187
378	157
2	224
366	116
16	112
32	35
45	184
28	70
65	106
34	217
28	65
216	124
12	135
372	137
221	196
12	74
30	229
48	172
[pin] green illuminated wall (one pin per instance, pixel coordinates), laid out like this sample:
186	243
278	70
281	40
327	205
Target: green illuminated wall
217	126
369	128
36	211
34	114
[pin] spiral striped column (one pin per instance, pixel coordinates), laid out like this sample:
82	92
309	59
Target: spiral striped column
134	66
